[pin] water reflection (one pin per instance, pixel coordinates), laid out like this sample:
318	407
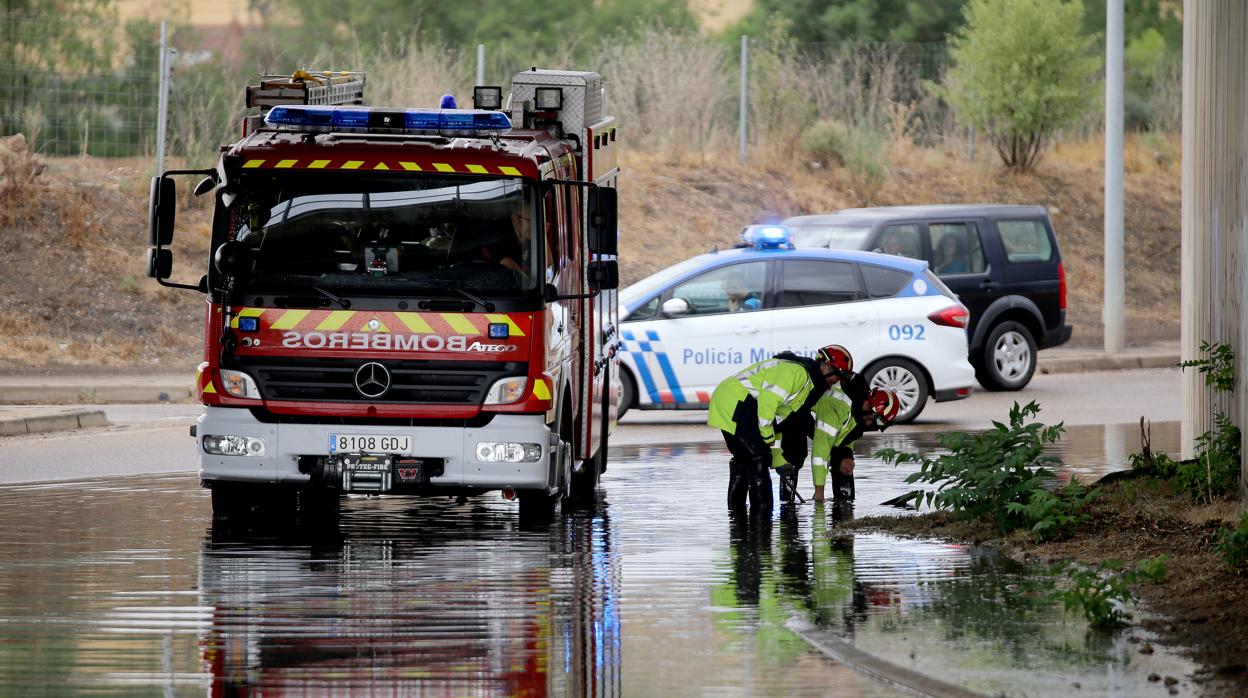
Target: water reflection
424	600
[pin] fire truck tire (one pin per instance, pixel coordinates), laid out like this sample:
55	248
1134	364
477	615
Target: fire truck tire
538	506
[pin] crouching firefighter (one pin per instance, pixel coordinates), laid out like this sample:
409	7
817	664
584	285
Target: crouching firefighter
842	416
747	406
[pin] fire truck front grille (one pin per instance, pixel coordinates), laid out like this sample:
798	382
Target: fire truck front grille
412	382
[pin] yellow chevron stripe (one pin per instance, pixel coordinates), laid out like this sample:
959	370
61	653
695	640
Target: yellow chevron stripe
317	164
381	166
477	169
251	312
289	319
335	320
541	390
209	389
284	164
513	328
510	171
415	323
250	164
352	164
443	167
460	324
410	166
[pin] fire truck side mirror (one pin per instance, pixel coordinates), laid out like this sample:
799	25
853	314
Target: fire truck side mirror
604	275
233	258
161	212
159	263
602	221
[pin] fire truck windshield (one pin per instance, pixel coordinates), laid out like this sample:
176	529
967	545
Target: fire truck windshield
385	234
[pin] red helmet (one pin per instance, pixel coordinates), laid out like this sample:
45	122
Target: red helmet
884	404
839	357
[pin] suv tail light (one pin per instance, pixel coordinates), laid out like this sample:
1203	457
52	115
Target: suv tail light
1061	288
953	316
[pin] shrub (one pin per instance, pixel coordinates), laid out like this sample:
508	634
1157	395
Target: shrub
1023	69
1101	598
825	142
1000	475
1232	545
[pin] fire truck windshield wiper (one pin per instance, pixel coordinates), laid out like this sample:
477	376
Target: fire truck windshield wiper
340	301
489	307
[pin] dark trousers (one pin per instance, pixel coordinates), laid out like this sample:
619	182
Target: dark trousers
749	477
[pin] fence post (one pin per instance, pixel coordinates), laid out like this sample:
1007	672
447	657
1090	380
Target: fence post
745	91
480	64
1112	318
162	100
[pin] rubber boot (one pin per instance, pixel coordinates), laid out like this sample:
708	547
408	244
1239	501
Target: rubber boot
760	490
842	487
738	486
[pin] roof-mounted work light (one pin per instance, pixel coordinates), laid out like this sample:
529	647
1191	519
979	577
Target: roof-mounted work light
487	97
548	98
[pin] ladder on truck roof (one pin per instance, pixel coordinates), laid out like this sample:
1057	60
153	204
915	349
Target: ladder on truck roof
325	88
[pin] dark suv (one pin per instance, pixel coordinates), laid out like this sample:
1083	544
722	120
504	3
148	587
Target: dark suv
1002	261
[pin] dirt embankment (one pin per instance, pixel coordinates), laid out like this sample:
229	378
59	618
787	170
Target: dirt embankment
74	292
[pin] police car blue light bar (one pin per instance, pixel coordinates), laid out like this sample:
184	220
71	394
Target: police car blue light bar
768	237
308	118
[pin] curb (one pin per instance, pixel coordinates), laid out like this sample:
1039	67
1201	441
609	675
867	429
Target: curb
1106	362
33	393
61	421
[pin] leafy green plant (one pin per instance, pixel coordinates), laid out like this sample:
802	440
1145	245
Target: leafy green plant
1232	545
1101	598
1218	366
1152	570
1217	449
1001	475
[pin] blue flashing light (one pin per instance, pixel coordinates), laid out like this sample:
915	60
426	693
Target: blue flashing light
499	330
448	102
248	324
768	237
312	118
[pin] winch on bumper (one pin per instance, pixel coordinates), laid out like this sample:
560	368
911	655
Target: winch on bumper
512	450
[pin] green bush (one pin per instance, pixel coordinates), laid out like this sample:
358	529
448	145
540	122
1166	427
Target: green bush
860	149
1232	545
825	142
1023	69
1101	598
1001	475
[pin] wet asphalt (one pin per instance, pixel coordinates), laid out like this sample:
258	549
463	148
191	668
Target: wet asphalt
123	586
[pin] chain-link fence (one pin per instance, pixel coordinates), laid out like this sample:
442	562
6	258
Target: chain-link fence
77	86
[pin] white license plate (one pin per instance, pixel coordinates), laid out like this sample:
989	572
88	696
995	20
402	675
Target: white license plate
370	443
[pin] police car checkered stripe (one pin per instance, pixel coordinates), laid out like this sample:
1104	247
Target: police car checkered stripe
653	366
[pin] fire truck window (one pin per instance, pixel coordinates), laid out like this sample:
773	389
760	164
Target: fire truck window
554	260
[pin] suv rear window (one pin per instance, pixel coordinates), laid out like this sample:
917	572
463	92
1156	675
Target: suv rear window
1025	241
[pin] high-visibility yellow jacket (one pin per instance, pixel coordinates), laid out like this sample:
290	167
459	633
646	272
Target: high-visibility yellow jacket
779	387
834	421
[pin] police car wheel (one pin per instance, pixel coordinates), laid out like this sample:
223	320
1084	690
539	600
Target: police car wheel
628	393
1009	357
905	379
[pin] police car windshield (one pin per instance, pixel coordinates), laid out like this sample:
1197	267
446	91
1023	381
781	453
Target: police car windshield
659	280
840	236
379	234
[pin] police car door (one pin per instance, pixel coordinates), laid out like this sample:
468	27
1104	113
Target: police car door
708	327
820	302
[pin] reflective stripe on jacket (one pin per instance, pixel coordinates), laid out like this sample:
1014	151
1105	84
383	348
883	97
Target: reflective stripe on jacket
777	385
834	421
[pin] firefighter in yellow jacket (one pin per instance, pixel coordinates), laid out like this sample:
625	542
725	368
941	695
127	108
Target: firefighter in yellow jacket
747	406
839	422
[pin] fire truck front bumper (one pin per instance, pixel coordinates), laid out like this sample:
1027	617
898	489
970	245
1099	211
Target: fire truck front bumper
513	450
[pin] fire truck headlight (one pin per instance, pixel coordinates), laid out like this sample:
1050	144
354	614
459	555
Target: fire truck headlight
239	384
508	452
507	391
233	445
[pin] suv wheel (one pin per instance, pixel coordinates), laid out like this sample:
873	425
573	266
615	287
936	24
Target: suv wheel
905	379
1009	357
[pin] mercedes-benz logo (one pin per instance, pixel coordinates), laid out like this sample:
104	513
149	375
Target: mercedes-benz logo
372	380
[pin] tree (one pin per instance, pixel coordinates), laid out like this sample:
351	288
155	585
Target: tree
835	21
1023	69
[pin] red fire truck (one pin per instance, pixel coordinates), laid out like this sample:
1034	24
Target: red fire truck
407	301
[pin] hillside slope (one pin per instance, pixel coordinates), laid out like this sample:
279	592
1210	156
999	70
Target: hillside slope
73	291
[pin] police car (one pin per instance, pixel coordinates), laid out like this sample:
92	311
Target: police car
691	325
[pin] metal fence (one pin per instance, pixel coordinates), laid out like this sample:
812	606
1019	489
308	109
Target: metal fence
74	87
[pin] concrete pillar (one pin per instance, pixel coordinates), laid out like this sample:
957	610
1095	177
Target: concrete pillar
1215	203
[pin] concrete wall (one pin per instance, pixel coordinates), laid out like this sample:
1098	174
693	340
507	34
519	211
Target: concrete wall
1215	202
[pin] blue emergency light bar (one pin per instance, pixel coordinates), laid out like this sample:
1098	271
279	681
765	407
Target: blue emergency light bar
308	118
768	237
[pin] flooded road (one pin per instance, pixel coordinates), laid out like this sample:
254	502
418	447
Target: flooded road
123	587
